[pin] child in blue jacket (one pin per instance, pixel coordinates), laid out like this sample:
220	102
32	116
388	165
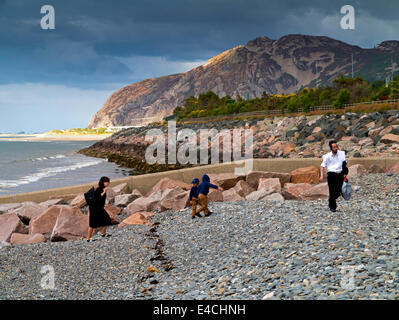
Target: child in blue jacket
203	194
194	197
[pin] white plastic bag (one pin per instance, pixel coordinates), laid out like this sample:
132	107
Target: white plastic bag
346	190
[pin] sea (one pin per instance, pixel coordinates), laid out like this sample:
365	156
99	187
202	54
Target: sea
27	165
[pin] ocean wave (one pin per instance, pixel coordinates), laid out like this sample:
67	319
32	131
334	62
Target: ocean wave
57	156
44	173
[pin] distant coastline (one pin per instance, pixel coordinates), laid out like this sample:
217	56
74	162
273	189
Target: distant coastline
52	137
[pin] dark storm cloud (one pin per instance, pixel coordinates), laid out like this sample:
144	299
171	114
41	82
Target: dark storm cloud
91	36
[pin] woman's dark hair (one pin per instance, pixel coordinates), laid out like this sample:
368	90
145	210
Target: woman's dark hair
102	180
331	143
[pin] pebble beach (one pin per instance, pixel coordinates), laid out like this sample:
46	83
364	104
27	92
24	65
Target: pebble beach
245	250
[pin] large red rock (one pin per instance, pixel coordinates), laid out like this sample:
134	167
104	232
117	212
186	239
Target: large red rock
29	210
52	202
375	169
20	238
258	194
137	218
243	188
113	212
231	195
226	180
125	199
71	224
282	148
305	175
167	183
292	191
45	222
142	204
79	201
274	197
215	195
8	207
9	224
137	192
318	191
254	176
175	200
270	183
390	138
356	170
122	188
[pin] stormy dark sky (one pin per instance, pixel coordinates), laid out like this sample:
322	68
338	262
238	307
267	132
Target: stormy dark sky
60	78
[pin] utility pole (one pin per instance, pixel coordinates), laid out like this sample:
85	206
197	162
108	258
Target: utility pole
352	65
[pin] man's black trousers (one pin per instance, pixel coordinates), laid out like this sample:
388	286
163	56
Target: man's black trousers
335	181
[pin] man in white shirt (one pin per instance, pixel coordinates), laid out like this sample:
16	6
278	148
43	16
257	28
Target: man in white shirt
335	161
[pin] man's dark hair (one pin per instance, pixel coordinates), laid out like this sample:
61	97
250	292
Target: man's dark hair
331	143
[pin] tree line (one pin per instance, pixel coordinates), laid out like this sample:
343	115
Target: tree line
342	91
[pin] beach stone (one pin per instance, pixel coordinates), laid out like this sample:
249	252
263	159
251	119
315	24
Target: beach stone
390	138
79	201
29	210
122	188
274	197
292	191
137	192
215	195
232	195
305	175
243	188
355	170
4	244
258	194
136	218
71	224
386	131
282	148
366	142
175	200
394	168
319	191
375	169
113	211
142	204
226	180
64	197
9	224
270	183
8	207
110	196
167	183
123	200
45	222
20	238
52	202
253	177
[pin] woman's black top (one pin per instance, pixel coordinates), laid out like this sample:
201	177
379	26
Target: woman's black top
98	217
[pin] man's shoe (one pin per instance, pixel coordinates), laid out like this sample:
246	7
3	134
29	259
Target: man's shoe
192	217
209	213
106	235
333	210
198	215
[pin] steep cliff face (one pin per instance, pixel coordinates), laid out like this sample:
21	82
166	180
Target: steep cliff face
275	66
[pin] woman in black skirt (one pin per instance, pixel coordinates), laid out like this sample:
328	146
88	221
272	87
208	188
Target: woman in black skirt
98	217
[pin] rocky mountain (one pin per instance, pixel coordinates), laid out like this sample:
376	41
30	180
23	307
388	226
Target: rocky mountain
275	66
